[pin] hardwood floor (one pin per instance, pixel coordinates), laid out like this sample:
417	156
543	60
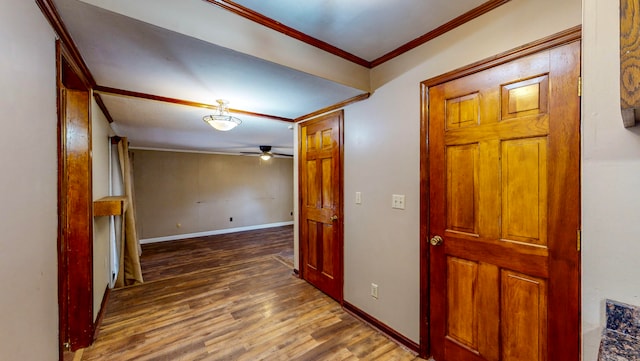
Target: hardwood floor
231	297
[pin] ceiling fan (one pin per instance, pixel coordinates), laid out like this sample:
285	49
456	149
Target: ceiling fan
266	153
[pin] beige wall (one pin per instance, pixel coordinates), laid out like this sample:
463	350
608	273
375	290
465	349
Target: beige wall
184	193
28	185
101	131
382	154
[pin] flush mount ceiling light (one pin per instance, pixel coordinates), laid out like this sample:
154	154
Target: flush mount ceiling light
266	152
222	120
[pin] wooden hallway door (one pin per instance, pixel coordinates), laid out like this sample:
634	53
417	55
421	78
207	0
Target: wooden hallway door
504	211
320	174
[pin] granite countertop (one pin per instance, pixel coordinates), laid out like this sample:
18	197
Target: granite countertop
621	338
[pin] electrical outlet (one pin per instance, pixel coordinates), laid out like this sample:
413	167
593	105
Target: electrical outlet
397	201
230	219
374	291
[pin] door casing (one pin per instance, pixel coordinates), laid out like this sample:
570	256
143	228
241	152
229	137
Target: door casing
75	205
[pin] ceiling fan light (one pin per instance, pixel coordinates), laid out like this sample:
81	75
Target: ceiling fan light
266	156
222	120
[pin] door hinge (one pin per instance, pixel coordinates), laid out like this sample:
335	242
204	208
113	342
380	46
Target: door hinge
579	239
66	346
579	86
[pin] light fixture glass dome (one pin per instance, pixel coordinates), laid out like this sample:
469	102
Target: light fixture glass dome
222	119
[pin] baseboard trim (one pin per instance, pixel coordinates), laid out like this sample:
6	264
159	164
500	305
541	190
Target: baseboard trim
213	233
103	310
393	334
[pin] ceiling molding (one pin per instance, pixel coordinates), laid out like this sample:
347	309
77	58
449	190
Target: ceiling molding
133	94
460	20
176	150
51	14
552	41
288	31
330	108
103	107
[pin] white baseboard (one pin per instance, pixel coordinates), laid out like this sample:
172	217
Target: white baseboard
213	233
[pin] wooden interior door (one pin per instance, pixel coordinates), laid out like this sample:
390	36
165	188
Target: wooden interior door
504	211
320	175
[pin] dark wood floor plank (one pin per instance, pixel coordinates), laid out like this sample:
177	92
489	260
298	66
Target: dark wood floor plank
231	297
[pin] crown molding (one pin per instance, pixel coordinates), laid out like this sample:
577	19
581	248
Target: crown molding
333	107
128	93
288	31
51	14
102	107
442	29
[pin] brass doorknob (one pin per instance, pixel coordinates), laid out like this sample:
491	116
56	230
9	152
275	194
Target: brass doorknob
333	218
436	241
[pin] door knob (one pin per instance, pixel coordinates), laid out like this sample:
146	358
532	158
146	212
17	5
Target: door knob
333	218
436	241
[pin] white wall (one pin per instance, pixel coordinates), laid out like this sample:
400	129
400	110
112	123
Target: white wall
610	177
382	154
100	133
382	244
28	185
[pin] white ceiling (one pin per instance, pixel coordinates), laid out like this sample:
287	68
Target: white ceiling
196	51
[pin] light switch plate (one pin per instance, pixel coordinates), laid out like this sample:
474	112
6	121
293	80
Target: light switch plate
397	201
358	198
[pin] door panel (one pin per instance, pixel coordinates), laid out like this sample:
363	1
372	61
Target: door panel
524	190
312	254
502	143
462	177
328	198
524	317
462	317
329	269
312	193
321	245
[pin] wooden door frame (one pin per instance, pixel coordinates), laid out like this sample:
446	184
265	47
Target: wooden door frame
340	210
559	39
75	211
